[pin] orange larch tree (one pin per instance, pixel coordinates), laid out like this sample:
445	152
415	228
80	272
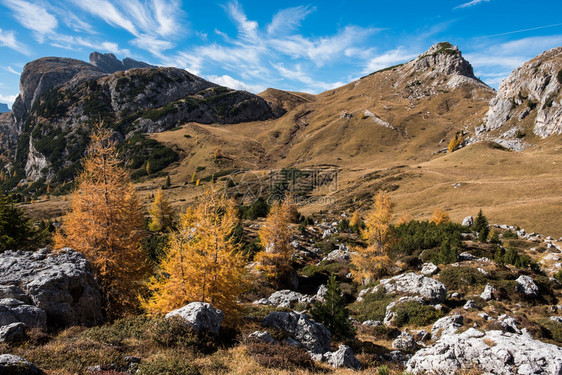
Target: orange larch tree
105	223
373	261
201	262
275	236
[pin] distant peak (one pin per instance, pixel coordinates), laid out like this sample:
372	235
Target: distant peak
444	58
442	48
108	63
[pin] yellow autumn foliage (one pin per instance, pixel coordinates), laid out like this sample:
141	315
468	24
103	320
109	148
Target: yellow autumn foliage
201	263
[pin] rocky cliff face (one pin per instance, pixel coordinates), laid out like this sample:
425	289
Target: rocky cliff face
61	97
531	94
440	68
108	63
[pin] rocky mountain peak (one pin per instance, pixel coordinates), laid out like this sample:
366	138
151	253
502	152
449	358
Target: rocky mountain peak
45	74
108	63
444	58
4	108
530	95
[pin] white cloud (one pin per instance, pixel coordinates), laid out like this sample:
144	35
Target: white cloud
154	23
233	83
8	99
12	70
109	13
246	28
389	58
8	39
152	44
471	4
288	19
33	17
297	74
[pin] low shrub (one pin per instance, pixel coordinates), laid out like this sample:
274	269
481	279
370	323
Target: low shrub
280	356
168	365
551	330
413	313
461	278
372	307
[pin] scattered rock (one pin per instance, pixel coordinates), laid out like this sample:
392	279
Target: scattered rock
413	284
421	335
311	335
201	316
556	319
13	333
509	324
372	323
429	269
466	256
488	293
447	325
343	357
493	352
405	342
468	221
470	304
263	336
288	298
14	365
527	286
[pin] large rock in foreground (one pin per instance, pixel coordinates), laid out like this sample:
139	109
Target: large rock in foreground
313	336
14	365
201	316
55	289
493	352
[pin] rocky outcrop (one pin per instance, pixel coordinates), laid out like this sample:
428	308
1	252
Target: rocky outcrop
527	286
343	358
311	335
405	342
493	352
14	365
201	316
48	289
532	90
447	325
108	63
288	298
415	285
441	67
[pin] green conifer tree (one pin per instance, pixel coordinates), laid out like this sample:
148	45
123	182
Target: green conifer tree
332	312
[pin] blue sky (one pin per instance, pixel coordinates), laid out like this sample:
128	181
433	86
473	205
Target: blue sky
293	45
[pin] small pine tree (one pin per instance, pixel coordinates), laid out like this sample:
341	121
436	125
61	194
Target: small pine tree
332	312
168	182
161	213
481	227
16	229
